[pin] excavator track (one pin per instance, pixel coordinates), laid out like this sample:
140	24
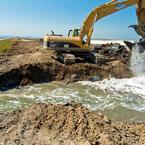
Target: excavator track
71	58
65	58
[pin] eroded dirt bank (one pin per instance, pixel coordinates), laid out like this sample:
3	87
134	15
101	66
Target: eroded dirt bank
70	124
27	62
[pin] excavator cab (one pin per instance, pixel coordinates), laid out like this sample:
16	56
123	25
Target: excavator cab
74	33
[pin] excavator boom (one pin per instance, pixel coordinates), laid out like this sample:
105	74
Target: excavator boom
101	12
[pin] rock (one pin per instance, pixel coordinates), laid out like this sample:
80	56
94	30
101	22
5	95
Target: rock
95	78
106	119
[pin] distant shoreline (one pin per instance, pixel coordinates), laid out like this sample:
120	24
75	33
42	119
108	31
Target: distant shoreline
4	38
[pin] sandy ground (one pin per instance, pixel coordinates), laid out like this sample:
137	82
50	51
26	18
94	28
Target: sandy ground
69	124
27	62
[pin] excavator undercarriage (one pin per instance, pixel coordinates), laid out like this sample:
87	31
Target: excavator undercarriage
71	58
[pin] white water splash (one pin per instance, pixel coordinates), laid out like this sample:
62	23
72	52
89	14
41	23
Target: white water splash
137	61
134	86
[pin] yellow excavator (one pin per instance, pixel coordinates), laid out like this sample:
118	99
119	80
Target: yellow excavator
77	43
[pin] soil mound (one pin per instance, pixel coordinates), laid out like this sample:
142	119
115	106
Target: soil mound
70	124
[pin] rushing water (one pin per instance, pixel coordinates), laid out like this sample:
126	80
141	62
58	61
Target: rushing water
119	99
137	61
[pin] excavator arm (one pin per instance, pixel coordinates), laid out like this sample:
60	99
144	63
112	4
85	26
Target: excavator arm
103	11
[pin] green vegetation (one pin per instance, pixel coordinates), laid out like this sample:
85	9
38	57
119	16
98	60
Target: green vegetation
5	45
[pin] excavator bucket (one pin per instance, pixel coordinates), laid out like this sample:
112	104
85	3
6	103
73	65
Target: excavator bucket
140	28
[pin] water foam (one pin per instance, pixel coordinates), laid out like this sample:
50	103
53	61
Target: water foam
137	61
135	86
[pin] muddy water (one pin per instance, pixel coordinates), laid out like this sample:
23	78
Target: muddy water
119	99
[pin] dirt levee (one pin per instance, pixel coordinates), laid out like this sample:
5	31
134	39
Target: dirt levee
27	62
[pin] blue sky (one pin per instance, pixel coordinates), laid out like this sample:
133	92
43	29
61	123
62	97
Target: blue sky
38	17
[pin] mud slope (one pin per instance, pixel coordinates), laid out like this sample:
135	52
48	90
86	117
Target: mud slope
27	62
70	124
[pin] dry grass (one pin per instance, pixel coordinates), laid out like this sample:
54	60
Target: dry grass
5	45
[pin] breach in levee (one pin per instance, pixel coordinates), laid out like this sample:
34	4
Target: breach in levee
77	43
